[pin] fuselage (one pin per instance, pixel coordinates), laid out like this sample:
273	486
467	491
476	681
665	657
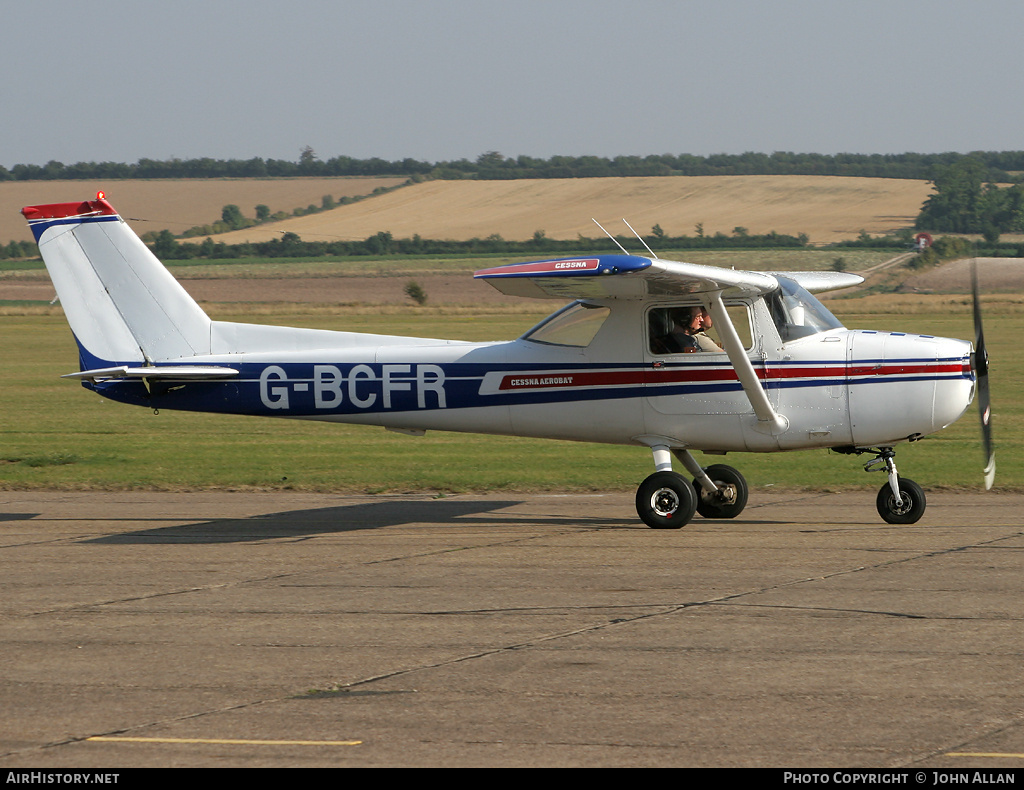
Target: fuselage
835	387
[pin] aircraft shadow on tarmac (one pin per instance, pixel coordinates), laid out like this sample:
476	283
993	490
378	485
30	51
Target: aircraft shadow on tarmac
17	516
345	518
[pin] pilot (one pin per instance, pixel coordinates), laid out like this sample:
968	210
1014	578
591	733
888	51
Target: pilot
685	324
687	333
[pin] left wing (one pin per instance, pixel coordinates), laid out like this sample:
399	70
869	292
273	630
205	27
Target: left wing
634	277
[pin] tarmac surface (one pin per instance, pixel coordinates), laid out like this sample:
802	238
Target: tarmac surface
254	629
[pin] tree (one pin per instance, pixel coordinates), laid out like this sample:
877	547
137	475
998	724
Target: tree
165	246
490	159
379	243
956	206
262	212
309	164
415	292
232	216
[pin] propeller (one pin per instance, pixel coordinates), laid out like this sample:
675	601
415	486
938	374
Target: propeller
981	376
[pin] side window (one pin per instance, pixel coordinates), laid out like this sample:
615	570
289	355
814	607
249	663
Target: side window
685	329
574	325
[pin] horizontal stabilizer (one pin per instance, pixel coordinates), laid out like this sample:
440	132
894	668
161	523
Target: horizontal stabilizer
177	372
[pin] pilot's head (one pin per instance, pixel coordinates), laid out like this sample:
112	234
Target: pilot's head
689	319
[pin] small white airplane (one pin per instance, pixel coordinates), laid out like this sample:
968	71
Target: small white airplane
628	361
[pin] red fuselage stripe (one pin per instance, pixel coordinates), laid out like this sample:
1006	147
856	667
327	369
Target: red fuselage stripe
612	378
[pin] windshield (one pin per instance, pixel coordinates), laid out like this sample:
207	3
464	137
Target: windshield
797	313
573	325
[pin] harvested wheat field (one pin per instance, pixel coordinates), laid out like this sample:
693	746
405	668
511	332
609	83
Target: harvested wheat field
177	204
826	208
994	275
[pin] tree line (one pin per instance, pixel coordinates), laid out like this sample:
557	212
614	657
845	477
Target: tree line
998	166
291	245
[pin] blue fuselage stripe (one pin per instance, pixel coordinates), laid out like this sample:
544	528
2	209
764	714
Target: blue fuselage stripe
307	390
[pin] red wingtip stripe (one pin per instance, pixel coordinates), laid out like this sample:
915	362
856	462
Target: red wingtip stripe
61	210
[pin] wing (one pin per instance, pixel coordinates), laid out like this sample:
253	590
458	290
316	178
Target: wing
816	282
634	277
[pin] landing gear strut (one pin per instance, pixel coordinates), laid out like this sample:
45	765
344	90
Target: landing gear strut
667	500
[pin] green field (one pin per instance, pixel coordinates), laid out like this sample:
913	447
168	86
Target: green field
56	435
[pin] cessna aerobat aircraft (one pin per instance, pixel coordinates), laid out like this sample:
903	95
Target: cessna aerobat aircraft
628	361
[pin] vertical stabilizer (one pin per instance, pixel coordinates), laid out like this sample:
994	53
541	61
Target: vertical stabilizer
121	302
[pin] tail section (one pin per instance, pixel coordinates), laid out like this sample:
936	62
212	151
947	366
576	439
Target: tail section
121	302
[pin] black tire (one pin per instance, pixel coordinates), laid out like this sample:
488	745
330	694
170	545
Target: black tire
665	500
730	502
913	503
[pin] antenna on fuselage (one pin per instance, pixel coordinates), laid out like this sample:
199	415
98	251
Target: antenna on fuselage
610	236
653	255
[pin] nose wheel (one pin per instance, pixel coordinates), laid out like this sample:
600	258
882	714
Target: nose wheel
909	508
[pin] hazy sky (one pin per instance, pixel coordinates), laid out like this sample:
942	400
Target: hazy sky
122	80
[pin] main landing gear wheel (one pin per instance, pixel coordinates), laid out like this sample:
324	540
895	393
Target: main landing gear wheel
665	500
731	497
913	503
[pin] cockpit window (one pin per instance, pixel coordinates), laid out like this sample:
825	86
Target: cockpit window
574	325
797	313
689	328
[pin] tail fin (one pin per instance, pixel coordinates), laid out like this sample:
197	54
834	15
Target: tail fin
122	304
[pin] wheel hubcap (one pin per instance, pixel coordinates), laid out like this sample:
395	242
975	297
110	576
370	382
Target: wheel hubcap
908	504
665	502
726	494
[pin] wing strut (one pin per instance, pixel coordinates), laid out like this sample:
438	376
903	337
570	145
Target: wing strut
769	420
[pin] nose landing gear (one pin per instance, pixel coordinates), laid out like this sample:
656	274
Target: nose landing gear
901	500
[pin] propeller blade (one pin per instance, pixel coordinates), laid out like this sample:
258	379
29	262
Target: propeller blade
981	377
